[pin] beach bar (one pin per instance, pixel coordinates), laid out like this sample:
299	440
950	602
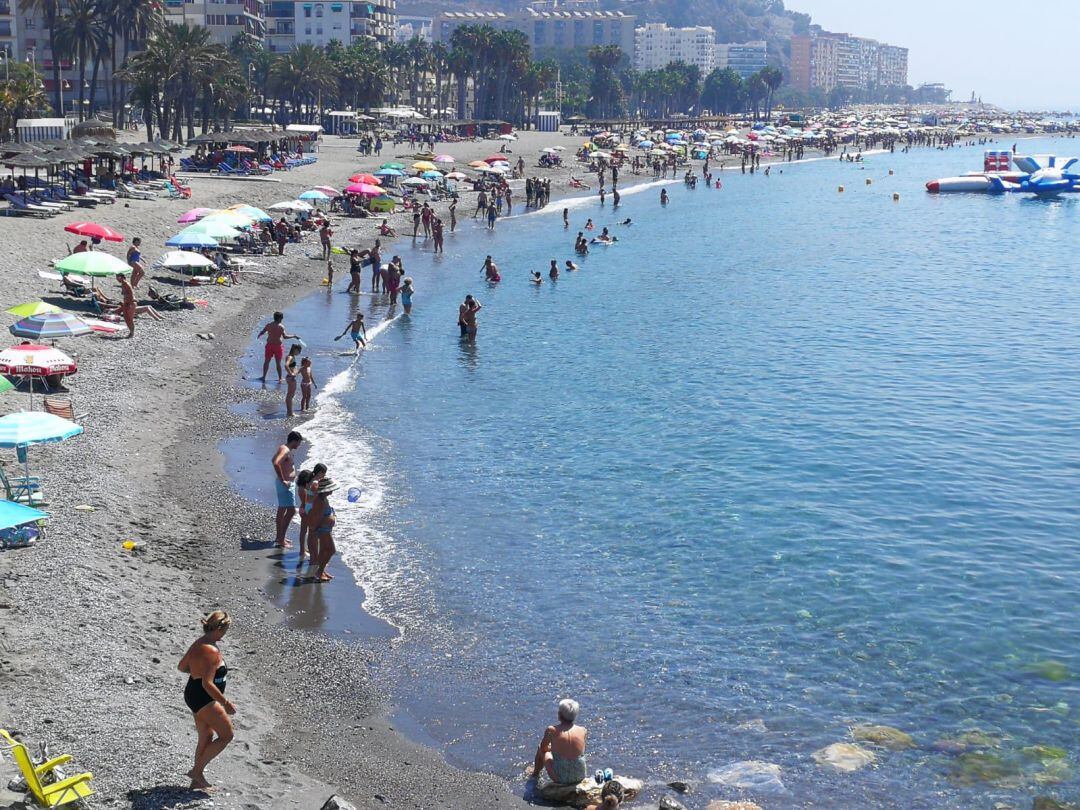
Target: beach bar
29	130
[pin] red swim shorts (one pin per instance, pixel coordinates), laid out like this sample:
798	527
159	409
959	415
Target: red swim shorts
274	350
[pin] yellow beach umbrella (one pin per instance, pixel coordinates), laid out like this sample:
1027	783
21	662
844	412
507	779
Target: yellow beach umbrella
425	166
478	164
32	308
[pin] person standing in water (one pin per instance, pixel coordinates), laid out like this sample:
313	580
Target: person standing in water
406	295
275	348
467	316
492	214
566	218
204	695
553	273
285	473
663	196
321	521
307	382
357	331
290	377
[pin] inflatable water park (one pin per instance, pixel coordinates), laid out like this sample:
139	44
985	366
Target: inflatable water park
1041	175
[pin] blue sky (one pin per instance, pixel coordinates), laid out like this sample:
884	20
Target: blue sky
1014	54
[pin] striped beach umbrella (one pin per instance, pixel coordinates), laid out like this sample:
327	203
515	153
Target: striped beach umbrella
50	326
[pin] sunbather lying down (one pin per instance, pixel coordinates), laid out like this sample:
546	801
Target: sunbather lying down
111	307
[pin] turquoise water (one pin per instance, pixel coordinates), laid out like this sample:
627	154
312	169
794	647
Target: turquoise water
785	459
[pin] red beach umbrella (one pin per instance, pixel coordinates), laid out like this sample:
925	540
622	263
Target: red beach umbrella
33	360
93	229
370	179
496	159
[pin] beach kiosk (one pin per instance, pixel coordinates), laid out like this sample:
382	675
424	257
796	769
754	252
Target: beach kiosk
548	120
29	130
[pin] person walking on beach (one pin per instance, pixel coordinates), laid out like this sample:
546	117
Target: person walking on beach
290	377
281	235
285	473
467	317
307	382
322	520
357	331
324	238
275	348
134	260
127	305
204	695
561	752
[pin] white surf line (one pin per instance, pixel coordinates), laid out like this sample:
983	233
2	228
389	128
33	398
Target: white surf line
337	383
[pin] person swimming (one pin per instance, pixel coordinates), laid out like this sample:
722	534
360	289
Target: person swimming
536	277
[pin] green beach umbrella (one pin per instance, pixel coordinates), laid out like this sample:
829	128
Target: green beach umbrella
215	230
5	384
93	263
398	166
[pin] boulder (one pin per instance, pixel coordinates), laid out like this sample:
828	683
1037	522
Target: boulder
1046	803
761	777
583	793
886	736
845	757
337	803
721	804
679	787
668	803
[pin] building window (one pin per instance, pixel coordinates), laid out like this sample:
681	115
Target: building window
307	11
307	30
318	30
318	10
29	24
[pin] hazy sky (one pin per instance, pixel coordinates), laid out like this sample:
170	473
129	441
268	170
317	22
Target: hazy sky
1014	54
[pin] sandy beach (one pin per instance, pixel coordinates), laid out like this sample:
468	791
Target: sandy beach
91	633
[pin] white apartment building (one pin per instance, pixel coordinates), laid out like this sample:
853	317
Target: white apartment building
656	45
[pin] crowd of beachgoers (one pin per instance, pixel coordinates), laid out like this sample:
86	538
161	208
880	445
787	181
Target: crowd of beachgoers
130	530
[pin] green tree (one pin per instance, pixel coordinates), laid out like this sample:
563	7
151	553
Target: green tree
756	91
82	34
606	93
773	78
723	91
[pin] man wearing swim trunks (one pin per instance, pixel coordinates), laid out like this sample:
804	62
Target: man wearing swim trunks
285	486
275	346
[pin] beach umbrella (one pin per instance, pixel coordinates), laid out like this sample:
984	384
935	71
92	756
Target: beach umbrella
494	159
50	326
457	176
478	164
291	205
371	179
424	166
32	308
17	514
194	215
251	212
443	159
393	165
364	190
94	230
495	170
231	219
432	175
22	429
240	149
184	258
415	182
32	360
330	190
92	263
508	137
215	230
192	240
314	195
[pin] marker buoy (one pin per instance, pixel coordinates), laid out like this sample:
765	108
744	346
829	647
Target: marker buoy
841	189
890	172
895	197
868	181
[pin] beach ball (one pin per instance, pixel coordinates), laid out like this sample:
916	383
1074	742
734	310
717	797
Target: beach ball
354	494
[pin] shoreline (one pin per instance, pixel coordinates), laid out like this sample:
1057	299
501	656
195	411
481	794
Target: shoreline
156	405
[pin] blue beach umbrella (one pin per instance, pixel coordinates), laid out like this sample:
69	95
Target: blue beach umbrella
24	428
192	240
313	195
430	175
50	326
256	214
389	173
17	514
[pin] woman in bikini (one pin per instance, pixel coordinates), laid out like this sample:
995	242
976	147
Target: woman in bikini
322	520
290	377
204	695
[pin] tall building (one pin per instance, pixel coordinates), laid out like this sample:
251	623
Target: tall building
545	28
299	22
826	60
224	18
411	26
656	45
9	30
745	58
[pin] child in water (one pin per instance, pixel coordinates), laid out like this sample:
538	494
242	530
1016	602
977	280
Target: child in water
357	331
307	380
537	278
407	294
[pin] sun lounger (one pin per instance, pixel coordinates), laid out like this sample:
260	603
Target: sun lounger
58	793
166	301
28	207
133	193
62	407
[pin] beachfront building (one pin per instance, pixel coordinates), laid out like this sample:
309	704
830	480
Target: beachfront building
545	28
656	45
9	30
411	26
745	58
312	22
826	60
224	19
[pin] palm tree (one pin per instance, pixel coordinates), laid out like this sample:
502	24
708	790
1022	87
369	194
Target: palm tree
22	95
458	63
773	78
50	10
605	88
397	59
756	90
303	74
130	21
82	33
419	62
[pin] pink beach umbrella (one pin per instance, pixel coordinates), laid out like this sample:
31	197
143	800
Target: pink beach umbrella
330	191
194	215
443	159
364	190
370	179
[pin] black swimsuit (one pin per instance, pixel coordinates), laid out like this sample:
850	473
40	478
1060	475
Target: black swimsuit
195	694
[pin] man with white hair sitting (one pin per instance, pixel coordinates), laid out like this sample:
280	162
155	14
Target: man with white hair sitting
562	750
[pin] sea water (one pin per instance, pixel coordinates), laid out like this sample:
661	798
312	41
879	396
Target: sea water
784	461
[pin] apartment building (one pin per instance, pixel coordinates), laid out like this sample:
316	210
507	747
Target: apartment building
745	58
826	60
656	45
558	29
299	22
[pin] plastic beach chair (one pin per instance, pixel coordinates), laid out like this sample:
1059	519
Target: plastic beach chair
26	491
65	791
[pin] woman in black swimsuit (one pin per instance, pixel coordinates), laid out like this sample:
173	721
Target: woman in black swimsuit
204	694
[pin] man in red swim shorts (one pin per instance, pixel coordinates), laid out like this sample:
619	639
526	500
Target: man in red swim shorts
275	347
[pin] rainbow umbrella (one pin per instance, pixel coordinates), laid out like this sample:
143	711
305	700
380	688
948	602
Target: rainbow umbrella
50	326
